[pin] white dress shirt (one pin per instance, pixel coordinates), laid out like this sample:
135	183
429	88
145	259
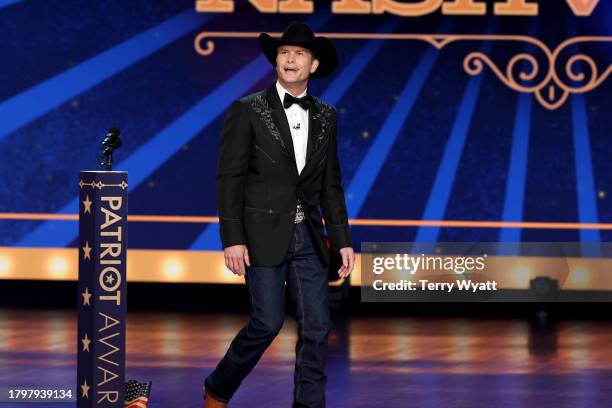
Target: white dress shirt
298	125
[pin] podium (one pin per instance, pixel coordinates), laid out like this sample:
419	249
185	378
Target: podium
102	289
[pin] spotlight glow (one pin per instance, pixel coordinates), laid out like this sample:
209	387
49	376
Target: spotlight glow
173	268
521	276
58	267
579	277
5	266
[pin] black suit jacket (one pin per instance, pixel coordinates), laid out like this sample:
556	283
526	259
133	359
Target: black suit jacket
258	185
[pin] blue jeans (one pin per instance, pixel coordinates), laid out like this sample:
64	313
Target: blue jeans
307	280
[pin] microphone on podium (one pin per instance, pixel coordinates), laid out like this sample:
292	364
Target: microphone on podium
110	143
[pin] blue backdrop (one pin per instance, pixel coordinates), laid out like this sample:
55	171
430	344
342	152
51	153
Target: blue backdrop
419	138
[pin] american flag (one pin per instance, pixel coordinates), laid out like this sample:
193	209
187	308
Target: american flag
137	394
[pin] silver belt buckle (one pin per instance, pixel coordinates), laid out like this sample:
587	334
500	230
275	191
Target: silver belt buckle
299	214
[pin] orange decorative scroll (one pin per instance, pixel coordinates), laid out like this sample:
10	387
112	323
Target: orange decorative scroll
551	90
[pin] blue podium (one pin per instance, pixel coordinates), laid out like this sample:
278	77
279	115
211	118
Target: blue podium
102	289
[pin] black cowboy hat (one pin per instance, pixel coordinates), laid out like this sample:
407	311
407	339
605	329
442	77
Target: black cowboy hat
300	34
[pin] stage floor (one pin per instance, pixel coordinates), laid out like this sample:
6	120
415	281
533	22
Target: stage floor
373	362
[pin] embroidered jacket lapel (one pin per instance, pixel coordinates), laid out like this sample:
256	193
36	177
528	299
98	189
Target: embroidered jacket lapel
270	110
319	122
313	129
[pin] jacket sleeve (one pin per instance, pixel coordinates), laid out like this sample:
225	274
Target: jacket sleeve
234	154
332	196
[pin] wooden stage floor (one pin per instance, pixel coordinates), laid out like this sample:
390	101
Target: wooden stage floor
373	362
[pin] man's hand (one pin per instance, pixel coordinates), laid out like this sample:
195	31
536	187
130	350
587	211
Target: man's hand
235	258
348	262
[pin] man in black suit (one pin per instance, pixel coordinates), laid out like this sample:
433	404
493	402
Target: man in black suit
277	166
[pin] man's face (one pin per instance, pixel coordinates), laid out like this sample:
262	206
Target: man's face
294	64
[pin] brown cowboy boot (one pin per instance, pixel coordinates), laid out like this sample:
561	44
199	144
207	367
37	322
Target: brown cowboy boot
211	402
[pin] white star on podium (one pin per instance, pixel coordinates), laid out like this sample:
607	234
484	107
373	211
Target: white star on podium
86	342
85	389
87	203
86	297
87	251
109	279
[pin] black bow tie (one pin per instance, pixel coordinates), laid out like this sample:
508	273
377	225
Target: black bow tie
289	100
